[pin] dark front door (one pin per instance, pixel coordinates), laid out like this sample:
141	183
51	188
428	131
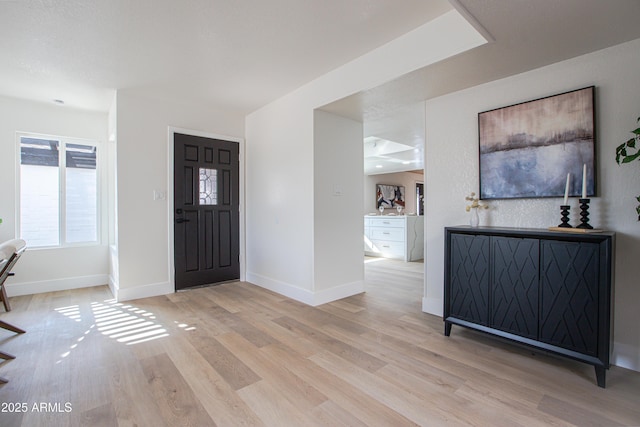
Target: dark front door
206	211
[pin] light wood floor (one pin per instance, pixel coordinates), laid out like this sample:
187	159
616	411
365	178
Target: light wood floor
236	355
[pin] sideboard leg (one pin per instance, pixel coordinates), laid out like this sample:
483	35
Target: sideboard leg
601	376
447	328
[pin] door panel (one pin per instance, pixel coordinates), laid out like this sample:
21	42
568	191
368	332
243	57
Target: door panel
206	211
191	249
514	287
569	309
469	272
226	239
187	189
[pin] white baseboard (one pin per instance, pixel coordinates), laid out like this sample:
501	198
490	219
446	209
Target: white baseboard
29	288
432	306
304	295
625	356
338	292
144	291
120	294
282	288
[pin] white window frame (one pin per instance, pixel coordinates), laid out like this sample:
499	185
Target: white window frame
62	175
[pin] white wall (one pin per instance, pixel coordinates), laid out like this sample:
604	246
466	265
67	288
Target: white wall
406	179
279	199
281	168
449	178
142	247
338	228
43	270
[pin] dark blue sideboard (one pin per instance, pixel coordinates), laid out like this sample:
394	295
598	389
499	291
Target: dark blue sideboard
546	289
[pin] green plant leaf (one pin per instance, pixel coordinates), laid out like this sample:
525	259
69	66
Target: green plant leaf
622	156
631	158
620	151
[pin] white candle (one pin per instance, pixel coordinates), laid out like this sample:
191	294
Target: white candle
566	190
584	181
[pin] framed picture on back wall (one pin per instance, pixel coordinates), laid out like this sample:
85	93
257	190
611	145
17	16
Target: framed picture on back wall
389	196
527	149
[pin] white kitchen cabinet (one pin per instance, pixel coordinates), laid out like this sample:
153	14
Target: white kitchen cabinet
394	236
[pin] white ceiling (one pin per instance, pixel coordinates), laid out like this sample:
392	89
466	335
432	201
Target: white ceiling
402	126
527	34
236	55
240	55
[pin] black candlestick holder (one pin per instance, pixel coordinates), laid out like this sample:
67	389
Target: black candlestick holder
564	216
584	214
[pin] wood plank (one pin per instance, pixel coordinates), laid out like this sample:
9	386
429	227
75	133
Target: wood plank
330	414
272	408
221	402
350	398
346	351
103	416
407	405
573	414
133	404
176	402
235	373
419	365
300	393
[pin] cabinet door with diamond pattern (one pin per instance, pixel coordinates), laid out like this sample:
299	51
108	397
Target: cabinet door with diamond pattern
470	278
569	295
514	287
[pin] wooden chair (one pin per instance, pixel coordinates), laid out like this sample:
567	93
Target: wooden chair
10	252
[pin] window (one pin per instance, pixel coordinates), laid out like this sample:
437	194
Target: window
208	186
58	191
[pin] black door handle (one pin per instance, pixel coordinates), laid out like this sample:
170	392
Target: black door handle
181	220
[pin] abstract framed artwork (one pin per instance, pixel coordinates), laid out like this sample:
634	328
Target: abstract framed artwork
527	149
389	196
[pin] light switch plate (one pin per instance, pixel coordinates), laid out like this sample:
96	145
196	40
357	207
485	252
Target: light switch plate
159	195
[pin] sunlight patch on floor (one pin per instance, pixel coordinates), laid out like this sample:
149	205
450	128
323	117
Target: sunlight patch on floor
72	312
370	260
126	323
